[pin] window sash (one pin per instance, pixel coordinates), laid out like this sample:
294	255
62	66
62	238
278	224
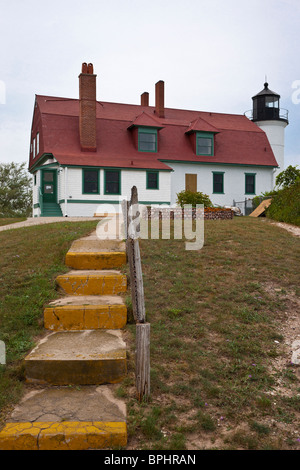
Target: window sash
147	140
204	145
218	183
152	180
112	182
250	184
91	181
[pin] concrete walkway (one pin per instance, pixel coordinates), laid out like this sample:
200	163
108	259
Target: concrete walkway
47	220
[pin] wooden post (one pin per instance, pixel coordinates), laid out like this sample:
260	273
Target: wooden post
136	280
142	372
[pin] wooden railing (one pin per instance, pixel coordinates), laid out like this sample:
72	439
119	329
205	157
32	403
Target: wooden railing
132	234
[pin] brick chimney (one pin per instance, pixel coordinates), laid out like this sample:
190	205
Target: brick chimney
145	99
87	108
160	99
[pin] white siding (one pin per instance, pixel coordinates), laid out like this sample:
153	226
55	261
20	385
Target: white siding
234	181
138	178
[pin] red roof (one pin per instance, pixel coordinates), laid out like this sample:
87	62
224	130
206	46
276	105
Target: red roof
237	139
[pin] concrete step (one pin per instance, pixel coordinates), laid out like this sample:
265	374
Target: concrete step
66	418
93	244
86	313
92	282
78	357
95	260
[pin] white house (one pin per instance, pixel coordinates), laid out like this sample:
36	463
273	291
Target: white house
87	153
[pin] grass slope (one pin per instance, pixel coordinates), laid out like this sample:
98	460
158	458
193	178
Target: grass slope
216	320
31	258
220	371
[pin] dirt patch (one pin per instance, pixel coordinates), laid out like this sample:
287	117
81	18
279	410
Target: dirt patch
290	228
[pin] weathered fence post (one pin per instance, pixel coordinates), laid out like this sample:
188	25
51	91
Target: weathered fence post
132	232
142	372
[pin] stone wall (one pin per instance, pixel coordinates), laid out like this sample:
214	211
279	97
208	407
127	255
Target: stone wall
211	213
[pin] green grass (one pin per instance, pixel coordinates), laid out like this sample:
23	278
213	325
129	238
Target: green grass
215	333
216	320
31	258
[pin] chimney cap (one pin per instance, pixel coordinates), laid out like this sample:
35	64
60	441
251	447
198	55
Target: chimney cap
87	68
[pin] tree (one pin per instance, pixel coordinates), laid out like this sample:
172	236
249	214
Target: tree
15	190
288	177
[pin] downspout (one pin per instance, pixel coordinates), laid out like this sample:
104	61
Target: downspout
273	179
66	198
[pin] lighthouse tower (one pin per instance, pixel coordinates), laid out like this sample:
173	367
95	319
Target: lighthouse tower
268	115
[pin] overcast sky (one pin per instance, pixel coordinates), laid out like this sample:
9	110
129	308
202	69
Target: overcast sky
213	56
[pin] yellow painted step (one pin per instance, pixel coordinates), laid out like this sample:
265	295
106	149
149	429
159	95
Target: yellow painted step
92	283
63	435
85	317
96	260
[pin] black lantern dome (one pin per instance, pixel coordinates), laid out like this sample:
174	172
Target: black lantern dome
266	106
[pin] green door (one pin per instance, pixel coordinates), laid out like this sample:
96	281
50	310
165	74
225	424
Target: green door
49	186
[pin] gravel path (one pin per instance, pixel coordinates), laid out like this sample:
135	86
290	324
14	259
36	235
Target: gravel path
290	228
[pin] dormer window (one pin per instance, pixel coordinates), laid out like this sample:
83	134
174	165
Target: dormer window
147	139
204	144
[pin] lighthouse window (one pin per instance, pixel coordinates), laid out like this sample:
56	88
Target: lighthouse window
272	102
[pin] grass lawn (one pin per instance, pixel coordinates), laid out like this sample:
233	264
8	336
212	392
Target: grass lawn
31	258
221	375
220	318
11	220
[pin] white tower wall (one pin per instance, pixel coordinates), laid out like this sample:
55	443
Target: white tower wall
275	133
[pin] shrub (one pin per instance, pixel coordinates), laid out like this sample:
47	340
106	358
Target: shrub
285	205
193	198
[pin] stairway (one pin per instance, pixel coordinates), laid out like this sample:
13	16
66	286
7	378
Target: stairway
51	209
73	371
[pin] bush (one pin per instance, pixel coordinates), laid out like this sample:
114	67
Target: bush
285	205
193	198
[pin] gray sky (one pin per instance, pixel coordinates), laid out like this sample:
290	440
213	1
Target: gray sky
213	56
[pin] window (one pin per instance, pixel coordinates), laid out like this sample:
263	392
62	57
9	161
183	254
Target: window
152	180
90	181
218	183
33	150
204	144
272	102
37	143
147	140
112	182
250	183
